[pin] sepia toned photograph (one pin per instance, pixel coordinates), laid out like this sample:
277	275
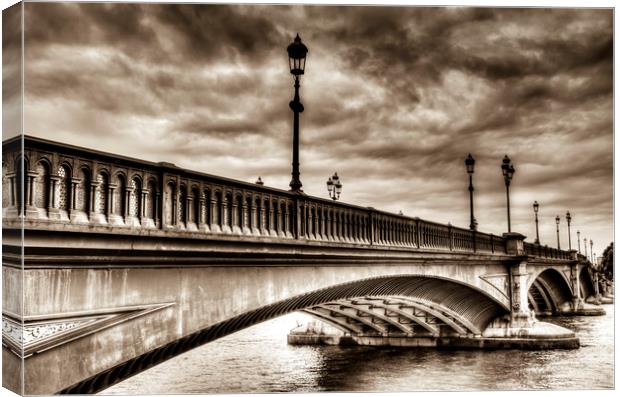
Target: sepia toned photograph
225	198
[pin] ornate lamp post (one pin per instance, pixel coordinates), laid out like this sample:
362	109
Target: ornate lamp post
508	170
297	62
591	253
578	242
568	218
334	187
585	247
557	228
536	205
469	164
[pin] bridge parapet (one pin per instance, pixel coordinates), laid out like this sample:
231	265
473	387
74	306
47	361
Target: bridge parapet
544	251
68	185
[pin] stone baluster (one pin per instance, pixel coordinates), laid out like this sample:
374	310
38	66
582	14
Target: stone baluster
127	213
144	217
13	190
246	224
316	221
287	221
52	210
143	199
158	208
337	225
94	189
189	204
321	210
111	189
225	220
418	233
263	221
253	216
311	228
215	215
277	219
296	219
272	230
74	193
73	205
201	211
29	200
30	193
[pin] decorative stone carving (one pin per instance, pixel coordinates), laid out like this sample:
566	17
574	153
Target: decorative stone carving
43	334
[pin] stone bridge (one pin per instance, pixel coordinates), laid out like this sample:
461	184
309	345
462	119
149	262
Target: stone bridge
125	263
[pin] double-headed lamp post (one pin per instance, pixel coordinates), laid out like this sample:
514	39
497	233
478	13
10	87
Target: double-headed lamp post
297	52
568	218
557	229
469	164
578	242
508	170
536	205
334	187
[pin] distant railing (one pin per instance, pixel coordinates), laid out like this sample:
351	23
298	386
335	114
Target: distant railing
544	251
67	184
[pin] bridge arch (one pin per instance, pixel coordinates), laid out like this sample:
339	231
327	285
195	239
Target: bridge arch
586	283
438	296
549	292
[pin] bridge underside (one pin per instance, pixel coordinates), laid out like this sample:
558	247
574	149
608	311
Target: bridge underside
382	306
393	315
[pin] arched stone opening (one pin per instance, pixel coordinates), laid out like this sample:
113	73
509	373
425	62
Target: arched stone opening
433	296
549	293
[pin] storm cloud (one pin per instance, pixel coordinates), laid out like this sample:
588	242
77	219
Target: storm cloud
395	98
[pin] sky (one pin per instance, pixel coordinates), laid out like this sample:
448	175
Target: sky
395	98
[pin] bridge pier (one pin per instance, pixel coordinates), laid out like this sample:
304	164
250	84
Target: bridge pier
520	327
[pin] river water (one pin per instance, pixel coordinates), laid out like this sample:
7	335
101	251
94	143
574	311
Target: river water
258	359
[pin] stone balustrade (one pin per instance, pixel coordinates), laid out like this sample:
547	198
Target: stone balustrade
72	185
545	251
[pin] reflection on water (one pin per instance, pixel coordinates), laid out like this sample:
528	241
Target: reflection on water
258	359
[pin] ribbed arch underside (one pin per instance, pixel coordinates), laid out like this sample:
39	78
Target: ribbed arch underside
549	292
461	306
392	315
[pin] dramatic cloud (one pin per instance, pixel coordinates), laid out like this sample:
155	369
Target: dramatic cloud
395	98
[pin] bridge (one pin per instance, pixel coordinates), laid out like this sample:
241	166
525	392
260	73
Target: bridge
125	263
